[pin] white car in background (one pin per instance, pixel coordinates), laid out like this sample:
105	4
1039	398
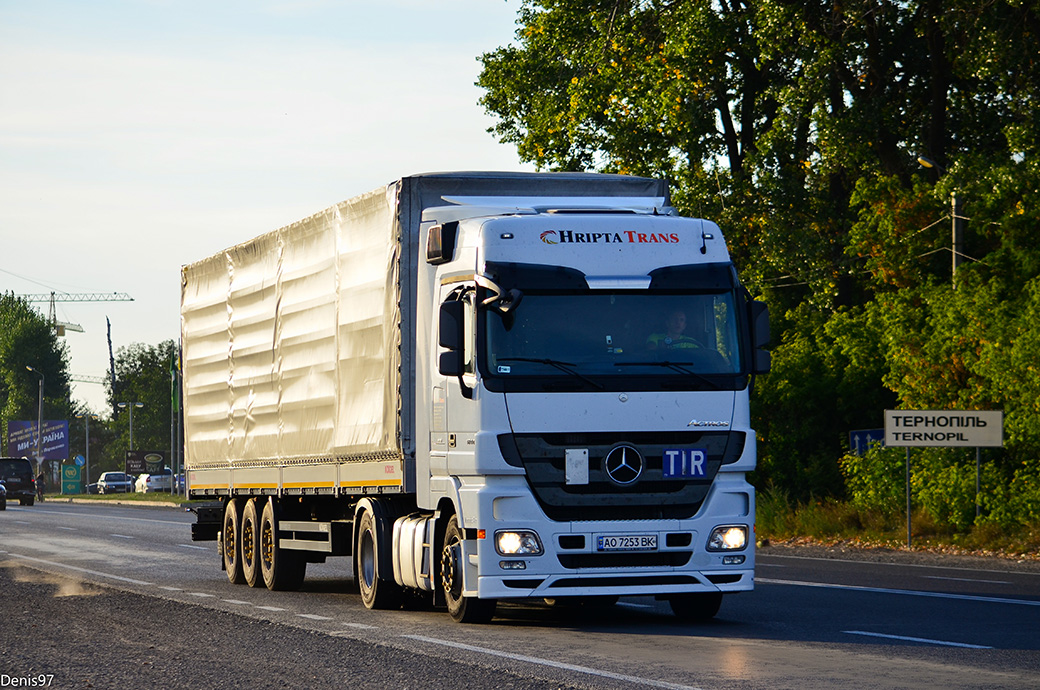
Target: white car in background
150	483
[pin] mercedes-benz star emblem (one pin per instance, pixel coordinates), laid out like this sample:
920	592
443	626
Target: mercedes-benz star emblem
623	465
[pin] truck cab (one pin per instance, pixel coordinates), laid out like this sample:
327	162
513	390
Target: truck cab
588	402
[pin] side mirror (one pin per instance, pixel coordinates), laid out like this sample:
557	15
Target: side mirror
760	338
440	243
449	336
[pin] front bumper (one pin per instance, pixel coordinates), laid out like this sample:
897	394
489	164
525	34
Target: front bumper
571	564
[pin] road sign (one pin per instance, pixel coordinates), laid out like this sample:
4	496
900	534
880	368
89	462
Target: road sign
70	482
80	460
944	428
861	439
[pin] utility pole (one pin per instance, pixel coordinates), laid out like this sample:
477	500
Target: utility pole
957	240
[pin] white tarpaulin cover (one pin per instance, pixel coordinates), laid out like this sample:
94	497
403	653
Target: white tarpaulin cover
291	342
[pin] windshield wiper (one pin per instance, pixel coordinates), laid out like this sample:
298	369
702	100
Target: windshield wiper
562	366
674	366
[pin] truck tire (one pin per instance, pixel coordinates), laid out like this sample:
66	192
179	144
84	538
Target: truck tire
282	570
462	609
249	545
701	606
376	593
232	551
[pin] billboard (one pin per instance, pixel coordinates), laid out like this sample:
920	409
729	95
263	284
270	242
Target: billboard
21	439
145	461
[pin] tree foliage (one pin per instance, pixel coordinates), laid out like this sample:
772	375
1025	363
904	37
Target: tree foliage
142	376
797	125
27	339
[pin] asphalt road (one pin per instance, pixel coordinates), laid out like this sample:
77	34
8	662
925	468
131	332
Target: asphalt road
107	596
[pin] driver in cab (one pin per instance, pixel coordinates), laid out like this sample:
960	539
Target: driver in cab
672	338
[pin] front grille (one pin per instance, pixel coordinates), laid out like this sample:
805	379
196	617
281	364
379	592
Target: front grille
653	496
658	559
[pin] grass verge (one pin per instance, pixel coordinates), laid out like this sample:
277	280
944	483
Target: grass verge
830	521
157	497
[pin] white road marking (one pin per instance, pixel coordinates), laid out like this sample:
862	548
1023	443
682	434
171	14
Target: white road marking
95	573
553	664
203	595
362	626
121	536
109	517
908	592
966	579
234	601
313	617
925	640
269	608
193	546
172	589
69	529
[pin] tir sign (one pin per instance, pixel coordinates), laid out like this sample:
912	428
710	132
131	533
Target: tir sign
684	463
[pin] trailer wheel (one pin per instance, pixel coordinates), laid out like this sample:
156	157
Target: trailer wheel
376	593
282	570
696	607
232	549
462	609
249	543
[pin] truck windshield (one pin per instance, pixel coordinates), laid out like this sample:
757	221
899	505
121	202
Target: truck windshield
608	339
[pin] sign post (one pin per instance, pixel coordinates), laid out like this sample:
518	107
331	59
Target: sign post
943	429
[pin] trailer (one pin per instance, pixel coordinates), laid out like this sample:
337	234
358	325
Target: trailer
480	387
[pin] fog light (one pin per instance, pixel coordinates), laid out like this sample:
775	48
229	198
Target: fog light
518	543
728	538
732	560
512	565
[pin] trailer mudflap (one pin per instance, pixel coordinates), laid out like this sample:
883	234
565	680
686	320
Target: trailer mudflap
208	517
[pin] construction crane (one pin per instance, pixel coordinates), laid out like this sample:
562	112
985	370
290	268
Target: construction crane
54	296
86	378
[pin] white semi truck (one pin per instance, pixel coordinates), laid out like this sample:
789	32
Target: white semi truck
481	387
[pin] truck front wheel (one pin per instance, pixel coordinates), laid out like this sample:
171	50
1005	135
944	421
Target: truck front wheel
230	541
462	609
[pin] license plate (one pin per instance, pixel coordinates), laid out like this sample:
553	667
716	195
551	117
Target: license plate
626	542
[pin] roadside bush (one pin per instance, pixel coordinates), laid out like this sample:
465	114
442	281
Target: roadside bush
876	480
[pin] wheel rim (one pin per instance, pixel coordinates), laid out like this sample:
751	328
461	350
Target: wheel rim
267	545
229	540
247	543
367	560
450	574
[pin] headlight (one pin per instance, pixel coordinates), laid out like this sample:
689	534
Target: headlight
518	543
728	538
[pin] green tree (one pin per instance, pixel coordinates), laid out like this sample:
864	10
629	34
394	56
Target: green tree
27	339
142	376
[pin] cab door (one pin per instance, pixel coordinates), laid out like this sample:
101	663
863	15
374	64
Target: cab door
454	413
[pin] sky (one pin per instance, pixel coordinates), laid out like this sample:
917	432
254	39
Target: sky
137	136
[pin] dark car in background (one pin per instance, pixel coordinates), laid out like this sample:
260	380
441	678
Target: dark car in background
17	475
115	483
3	496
